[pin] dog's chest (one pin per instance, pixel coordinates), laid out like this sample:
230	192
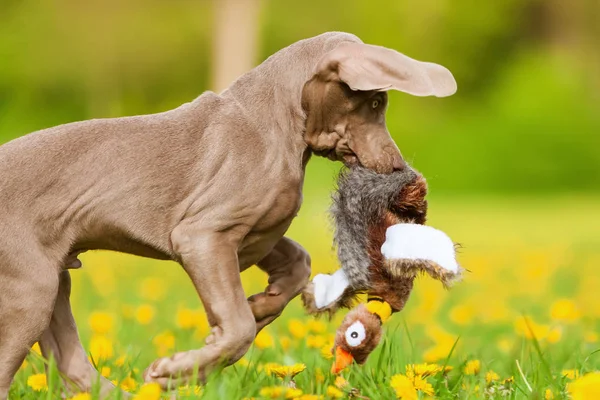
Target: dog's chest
277	212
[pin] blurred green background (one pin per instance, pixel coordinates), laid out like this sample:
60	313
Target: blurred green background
525	119
512	160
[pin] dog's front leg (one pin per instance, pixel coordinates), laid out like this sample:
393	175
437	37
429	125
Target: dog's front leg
210	259
288	266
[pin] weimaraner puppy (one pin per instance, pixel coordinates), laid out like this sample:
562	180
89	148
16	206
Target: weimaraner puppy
213	184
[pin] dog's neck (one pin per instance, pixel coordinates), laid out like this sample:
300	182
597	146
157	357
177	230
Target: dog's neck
270	95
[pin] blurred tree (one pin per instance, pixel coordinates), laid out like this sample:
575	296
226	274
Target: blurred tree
235	40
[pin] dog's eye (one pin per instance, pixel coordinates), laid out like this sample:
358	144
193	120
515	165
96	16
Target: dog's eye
355	334
375	104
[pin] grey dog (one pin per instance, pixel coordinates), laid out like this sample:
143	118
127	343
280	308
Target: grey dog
213	184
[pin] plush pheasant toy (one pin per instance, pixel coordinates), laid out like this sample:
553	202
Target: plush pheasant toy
382	246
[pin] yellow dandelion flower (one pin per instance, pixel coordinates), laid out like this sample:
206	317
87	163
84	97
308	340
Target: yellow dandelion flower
340	382
442	347
101	348
185	318
554	335
297	328
326	351
315	341
319	377
81	396
425	369
105	372
548	395
144	314
316	326
285	342
285	371
101	323
570	373
334	392
164	343
128	311
264	340
504	345
119	362
590	337
404	387
128	384
23	365
188	390
242	362
462	314
149	391
37	382
310	397
586	387
472	367
36	348
491	376
526	327
278	392
152	289
564	310
422	385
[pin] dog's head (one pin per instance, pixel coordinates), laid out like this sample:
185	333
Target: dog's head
345	102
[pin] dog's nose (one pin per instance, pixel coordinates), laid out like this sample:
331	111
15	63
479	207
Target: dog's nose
399	164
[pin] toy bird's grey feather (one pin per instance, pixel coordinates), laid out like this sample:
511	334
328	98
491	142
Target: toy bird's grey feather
360	199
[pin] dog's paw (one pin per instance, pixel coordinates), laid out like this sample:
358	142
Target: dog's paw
168	372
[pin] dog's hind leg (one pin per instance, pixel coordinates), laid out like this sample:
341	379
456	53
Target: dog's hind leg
28	288
61	341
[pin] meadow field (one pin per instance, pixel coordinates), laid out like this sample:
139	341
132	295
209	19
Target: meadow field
522	324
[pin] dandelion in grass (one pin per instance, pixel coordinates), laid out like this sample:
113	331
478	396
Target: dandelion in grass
128	384
149	391
570	373
334	393
152	289
404	387
164	343
585	388
284	371
185	318
316	326
340	382
472	367
105	371
554	335
310	397
319	376
565	310
425	369
81	396
491	376
187	390
101	348
297	328
280	392
144	314
38	382
548	395
285	343
264	340
316	341
121	360
101	323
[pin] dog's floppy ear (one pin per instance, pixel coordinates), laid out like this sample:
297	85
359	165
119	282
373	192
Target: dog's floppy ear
368	67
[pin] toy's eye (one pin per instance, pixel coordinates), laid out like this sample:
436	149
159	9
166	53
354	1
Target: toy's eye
375	104
355	334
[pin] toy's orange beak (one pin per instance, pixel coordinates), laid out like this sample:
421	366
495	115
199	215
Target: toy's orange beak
342	360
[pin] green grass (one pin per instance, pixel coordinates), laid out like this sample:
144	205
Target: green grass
533	257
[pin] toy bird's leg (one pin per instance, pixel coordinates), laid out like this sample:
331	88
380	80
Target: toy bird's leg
288	266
